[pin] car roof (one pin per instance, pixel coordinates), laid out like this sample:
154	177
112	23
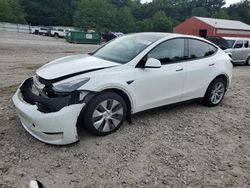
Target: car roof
159	35
236	38
154	36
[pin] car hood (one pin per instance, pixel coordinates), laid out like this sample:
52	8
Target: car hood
72	65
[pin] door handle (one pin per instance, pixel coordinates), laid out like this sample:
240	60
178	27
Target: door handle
178	70
212	64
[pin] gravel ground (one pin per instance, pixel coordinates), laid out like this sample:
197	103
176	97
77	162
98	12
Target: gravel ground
182	146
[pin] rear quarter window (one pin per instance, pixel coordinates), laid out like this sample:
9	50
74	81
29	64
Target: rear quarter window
230	43
200	49
246	43
238	44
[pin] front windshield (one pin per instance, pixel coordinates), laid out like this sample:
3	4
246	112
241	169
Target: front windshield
124	49
230	43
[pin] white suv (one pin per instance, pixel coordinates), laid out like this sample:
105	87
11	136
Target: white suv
130	74
239	50
59	32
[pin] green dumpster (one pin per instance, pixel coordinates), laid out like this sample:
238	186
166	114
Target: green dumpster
80	37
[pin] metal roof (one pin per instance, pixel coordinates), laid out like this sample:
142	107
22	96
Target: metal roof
225	24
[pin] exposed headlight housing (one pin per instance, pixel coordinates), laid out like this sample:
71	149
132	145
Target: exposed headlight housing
70	86
37	83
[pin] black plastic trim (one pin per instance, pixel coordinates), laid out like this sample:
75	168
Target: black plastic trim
141	63
151	67
47	104
130	82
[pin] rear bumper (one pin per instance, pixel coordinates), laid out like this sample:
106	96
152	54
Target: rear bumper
57	128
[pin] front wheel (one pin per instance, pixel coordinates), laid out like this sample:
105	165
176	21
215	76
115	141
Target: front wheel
56	35
105	113
215	92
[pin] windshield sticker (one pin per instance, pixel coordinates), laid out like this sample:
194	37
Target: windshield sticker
143	42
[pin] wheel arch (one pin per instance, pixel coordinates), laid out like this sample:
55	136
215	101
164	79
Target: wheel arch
126	98
207	100
121	92
118	91
230	54
224	77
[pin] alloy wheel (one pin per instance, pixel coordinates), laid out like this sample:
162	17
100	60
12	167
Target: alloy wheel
107	115
217	93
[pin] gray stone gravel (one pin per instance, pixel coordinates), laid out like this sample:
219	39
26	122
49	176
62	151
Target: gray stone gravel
189	145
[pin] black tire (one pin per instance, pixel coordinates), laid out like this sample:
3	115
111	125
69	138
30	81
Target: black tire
96	106
248	61
208	100
56	35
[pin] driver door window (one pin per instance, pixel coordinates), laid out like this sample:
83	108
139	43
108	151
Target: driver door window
168	52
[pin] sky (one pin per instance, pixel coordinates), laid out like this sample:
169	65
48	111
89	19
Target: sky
228	2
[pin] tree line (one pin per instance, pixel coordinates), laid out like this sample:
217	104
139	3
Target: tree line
119	15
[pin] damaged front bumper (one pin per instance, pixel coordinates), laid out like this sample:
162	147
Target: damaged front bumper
50	120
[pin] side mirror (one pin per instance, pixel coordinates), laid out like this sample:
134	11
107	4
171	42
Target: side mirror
152	63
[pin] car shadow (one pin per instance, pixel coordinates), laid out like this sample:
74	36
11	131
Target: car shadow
239	65
168	108
83	134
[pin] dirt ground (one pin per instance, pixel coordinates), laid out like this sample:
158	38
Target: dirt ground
182	146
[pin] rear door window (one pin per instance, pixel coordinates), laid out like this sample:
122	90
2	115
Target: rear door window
238	44
199	49
246	43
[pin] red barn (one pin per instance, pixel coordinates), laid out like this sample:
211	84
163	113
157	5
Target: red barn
211	27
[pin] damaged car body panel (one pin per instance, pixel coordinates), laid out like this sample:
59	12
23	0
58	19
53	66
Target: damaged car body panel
46	100
78	63
57	128
40	97
52	117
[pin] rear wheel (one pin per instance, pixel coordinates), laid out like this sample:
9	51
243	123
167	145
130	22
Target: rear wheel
105	113
215	92
248	61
